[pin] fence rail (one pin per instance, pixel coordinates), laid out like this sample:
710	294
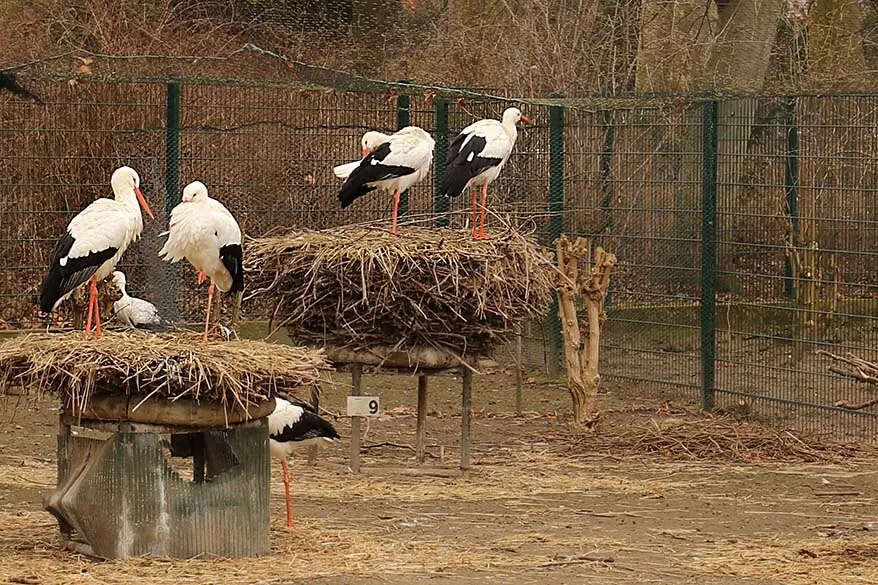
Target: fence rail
745	227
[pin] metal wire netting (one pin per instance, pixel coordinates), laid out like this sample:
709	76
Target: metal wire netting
794	194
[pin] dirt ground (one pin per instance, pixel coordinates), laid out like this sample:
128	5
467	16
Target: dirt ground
541	504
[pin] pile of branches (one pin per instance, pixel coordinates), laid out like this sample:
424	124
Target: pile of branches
718	439
232	373
357	287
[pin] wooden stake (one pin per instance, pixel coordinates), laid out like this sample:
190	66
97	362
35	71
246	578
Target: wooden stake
315	402
421	435
465	416
356	390
519	367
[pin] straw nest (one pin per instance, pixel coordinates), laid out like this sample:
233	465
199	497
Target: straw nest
360	288
232	373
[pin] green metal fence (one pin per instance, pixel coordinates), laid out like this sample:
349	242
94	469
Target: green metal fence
745	227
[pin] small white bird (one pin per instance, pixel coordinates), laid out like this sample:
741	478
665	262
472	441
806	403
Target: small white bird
291	426
134	312
93	243
476	156
394	166
204	232
370	141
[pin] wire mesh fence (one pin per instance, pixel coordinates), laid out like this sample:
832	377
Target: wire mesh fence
765	201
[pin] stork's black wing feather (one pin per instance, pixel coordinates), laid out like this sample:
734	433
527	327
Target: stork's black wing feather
309	426
8	82
371	170
60	280
232	257
465	164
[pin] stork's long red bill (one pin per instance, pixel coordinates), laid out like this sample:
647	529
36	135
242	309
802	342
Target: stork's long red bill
143	203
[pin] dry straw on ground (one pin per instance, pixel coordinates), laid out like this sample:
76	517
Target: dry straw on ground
232	373
360	287
717	439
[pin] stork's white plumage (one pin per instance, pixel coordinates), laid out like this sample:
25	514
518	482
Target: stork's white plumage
204	232
393	166
93	243
477	155
134	312
369	142
293	425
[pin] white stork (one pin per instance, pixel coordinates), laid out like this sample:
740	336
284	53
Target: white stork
394	165
134	312
93	243
476	156
294	425
204	232
369	142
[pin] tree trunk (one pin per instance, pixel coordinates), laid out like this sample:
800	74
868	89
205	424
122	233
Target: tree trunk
582	355
836	59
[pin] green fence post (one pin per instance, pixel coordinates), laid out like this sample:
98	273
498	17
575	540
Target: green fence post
791	181
607	184
708	256
556	219
403	119
441	203
172	186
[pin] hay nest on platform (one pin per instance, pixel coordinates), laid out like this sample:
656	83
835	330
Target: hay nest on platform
232	373
360	288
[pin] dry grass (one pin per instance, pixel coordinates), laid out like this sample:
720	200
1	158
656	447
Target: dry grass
360	287
716	439
233	373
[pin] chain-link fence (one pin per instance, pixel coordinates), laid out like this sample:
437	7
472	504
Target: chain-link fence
768	202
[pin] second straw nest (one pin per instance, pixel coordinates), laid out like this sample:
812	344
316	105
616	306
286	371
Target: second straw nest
359	287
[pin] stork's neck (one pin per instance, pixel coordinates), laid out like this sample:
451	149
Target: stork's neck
511	130
126	196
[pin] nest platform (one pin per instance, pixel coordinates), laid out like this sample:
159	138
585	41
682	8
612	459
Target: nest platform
229	381
132	404
358	288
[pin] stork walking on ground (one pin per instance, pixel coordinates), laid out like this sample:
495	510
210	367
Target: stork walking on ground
476	157
93	243
134	312
291	426
393	166
204	232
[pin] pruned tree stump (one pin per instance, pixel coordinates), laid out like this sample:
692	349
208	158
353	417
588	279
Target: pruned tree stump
118	496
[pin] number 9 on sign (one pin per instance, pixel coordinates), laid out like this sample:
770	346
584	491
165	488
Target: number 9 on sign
364	405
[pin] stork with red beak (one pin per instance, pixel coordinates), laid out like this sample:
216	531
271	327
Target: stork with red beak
475	158
93	243
369	142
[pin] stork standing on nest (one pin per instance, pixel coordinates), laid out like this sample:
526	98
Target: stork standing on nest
393	166
132	311
204	232
293	425
477	155
93	243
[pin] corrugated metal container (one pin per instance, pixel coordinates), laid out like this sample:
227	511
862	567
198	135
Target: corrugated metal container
119	496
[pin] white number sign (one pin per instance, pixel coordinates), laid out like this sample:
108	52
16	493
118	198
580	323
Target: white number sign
364	405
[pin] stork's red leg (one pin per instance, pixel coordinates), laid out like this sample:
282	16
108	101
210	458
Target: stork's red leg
290	523
395	212
91	308
209	303
475	202
94	294
201	277
482	233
